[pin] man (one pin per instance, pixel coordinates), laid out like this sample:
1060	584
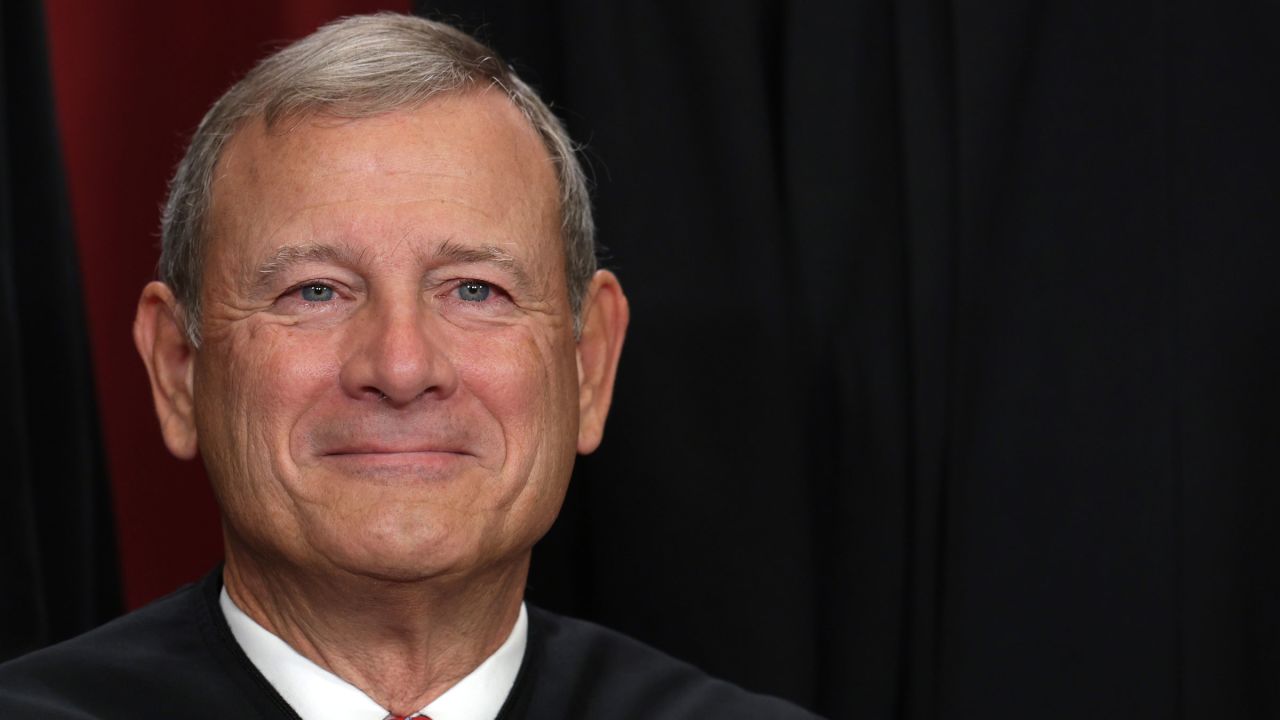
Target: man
380	324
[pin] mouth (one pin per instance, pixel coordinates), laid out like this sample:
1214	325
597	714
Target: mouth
423	462
393	450
404	452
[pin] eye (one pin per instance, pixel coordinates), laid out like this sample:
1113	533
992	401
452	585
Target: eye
474	291
316	292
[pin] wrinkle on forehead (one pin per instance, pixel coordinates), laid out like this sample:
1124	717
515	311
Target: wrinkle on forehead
500	114
267	178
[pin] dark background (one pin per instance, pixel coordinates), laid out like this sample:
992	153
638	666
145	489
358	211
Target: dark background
950	389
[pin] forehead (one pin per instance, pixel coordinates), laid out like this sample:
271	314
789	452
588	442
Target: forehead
464	167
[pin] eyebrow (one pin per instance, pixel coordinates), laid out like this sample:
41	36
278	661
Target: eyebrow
484	254
290	256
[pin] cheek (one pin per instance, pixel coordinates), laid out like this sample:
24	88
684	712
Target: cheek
268	380
528	384
292	371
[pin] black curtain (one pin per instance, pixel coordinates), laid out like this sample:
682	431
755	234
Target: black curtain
951	386
58	560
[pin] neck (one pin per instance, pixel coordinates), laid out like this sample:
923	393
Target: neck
403	643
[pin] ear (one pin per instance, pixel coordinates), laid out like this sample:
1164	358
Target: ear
604	325
161	341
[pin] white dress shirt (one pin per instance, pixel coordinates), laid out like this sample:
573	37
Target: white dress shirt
317	694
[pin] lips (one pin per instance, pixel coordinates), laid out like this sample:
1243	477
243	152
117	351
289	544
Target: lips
381	449
381	456
395	443
412	464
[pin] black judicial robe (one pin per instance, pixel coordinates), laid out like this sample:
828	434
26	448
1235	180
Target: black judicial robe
176	658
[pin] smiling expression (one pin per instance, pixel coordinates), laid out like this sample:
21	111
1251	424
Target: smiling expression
388	379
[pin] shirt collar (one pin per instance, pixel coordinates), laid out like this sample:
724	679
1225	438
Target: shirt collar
317	694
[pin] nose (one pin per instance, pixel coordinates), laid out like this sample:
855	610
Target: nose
394	357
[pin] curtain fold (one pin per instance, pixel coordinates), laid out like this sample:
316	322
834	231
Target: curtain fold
59	561
950	390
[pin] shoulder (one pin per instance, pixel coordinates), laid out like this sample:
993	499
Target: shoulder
164	660
580	669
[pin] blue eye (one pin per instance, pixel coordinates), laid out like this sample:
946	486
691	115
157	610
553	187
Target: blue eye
316	293
474	291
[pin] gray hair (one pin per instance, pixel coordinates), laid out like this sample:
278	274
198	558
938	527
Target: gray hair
359	67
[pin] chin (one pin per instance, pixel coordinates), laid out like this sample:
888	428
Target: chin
399	568
422	554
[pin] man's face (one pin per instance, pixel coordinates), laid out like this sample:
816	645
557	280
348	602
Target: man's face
387	383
